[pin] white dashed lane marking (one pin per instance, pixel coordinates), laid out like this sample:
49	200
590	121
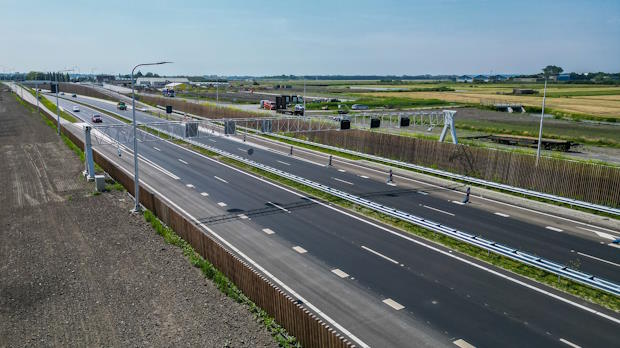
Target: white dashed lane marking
438	210
182	161
222	204
501	214
554	229
339	273
300	249
397	306
343	181
279	207
204	194
220	179
268	231
379	254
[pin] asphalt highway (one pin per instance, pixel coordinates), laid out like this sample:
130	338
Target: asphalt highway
544	238
382	287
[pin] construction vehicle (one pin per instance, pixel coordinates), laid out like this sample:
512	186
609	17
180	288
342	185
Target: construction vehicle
283	102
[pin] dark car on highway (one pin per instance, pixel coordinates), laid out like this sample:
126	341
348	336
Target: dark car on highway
96	118
74	96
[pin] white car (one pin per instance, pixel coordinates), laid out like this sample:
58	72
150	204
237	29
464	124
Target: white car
76	108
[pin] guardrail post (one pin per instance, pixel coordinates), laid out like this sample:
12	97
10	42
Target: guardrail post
89	171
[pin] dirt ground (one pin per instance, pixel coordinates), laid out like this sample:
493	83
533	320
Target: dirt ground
77	269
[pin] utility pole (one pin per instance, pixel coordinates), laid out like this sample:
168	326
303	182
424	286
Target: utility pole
136	180
57	106
542	114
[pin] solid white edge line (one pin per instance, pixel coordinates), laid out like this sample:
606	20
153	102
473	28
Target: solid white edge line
598	259
599	233
567	342
347	162
379	254
259	268
431	247
438	210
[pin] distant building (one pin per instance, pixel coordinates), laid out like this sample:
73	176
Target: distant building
497	78
564	77
159	82
174	85
481	78
465	79
525	79
104	78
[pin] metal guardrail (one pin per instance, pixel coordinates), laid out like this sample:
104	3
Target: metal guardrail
569	201
489	245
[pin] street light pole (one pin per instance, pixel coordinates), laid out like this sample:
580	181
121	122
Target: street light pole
542	114
136	179
57	106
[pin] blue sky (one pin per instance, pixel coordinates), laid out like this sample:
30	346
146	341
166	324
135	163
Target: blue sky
311	37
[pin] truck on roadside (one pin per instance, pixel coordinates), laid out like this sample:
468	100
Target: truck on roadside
121	106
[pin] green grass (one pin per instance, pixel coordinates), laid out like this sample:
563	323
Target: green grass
354	157
577	289
52	107
221	281
604	138
583	291
114	186
382	102
209	271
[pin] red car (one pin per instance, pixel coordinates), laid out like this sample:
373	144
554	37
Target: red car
96	118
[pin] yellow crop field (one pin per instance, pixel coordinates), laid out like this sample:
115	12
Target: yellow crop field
604	106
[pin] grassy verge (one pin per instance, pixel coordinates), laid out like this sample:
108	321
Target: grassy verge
354	157
52	107
571	287
221	281
381	102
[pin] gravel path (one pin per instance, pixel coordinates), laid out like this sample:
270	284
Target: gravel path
79	270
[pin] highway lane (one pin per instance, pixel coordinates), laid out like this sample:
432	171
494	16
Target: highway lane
339	245
547	240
